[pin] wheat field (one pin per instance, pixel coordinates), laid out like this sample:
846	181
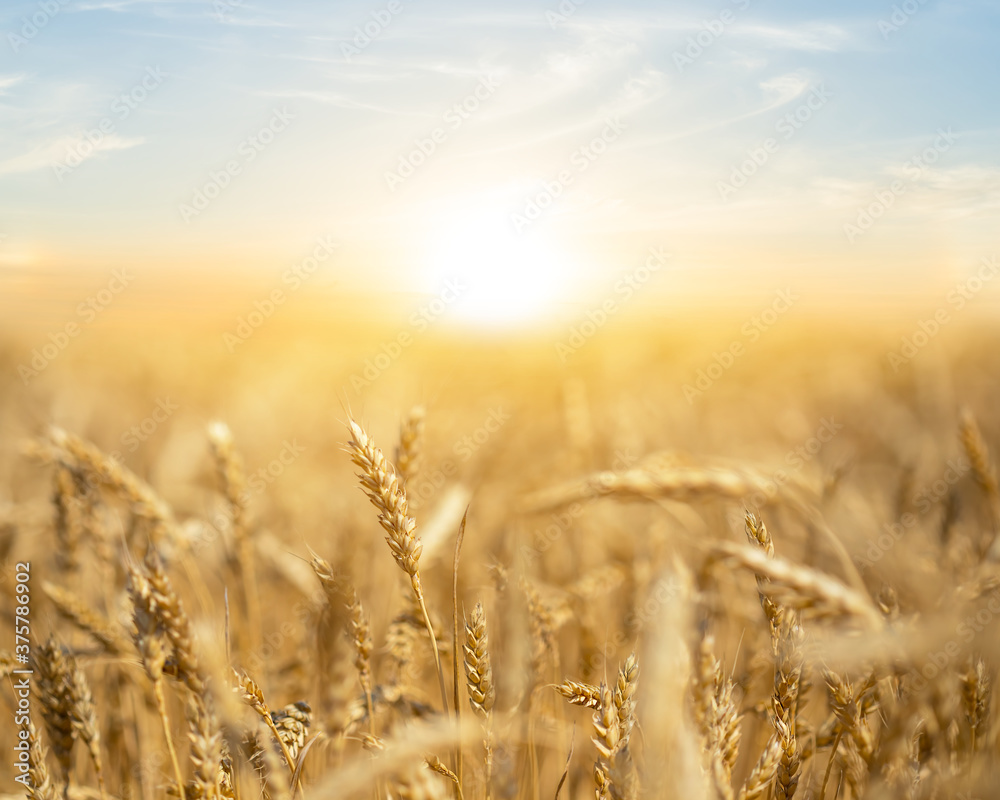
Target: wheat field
487	572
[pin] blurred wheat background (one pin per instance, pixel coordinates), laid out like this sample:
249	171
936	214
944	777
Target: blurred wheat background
782	585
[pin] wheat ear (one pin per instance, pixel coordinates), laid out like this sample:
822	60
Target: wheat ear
383	487
80	614
251	694
982	466
793	586
479	679
152	642
39	781
205	736
785	701
57	702
360	635
168	608
84	717
761	776
606	740
83	457
759	536
409	452
232	476
580	694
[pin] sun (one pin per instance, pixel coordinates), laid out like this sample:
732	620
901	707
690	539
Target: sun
506	278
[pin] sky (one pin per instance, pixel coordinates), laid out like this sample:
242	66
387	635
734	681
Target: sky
529	152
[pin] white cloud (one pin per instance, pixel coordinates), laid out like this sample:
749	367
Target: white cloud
44	156
6	81
809	36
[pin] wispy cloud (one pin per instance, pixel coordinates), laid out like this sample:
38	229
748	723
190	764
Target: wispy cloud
6	81
808	36
44	156
119	5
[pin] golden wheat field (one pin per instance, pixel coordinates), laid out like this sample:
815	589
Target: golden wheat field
492	574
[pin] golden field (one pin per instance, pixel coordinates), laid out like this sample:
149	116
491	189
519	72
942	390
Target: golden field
715	558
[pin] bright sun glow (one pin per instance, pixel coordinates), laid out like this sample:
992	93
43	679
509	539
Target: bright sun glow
509	277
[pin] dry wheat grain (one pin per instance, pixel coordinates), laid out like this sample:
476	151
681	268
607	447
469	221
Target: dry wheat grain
385	491
39	786
55	694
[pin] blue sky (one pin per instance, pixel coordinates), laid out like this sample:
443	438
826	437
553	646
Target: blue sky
547	87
